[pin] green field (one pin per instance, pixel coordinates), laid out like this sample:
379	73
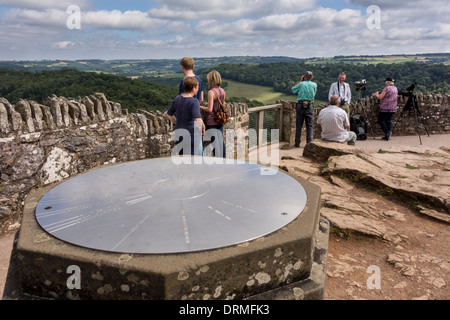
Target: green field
263	94
366	60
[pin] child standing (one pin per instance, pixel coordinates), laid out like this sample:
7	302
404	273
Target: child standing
215	95
188	121
187	67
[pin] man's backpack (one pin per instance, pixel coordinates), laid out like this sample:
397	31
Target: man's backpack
222	115
359	126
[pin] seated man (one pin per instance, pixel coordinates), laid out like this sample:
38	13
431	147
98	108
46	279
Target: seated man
335	124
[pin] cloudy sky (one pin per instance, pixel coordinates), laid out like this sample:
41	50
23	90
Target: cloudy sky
141	29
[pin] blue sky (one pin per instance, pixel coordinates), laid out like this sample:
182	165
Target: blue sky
143	29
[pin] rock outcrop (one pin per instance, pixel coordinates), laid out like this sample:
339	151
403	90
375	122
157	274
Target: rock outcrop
418	177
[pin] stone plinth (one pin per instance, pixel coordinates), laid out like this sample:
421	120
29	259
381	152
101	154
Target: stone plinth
288	263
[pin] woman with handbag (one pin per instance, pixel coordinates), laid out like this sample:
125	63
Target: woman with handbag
214	126
388	107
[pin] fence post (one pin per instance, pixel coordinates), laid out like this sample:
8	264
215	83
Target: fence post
259	127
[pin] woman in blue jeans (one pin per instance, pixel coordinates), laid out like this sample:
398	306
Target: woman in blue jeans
388	106
213	129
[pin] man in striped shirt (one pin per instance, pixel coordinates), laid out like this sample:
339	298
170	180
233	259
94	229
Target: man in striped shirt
335	124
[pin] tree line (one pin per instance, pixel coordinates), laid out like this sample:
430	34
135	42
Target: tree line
135	94
282	76
132	94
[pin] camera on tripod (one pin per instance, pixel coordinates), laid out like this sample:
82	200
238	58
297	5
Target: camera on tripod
412	102
361	85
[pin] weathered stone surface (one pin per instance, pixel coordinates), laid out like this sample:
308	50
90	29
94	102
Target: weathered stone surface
5	127
37	115
434	214
23	107
430	185
415	173
55	110
321	150
343	220
13	116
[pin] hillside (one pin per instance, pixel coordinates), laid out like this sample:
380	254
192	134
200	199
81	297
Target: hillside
282	76
154	67
148	67
38	79
131	94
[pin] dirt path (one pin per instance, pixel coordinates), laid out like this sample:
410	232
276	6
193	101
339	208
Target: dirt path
418	266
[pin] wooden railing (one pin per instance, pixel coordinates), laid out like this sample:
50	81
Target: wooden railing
260	119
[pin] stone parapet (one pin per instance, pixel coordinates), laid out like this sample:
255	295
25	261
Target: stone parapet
45	143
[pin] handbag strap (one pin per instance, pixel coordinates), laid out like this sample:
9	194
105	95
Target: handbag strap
218	98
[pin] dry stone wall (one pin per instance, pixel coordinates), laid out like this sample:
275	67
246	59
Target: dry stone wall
45	143
434	110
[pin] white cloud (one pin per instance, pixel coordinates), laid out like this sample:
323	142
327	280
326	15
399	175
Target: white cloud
128	20
322	20
47	18
63	45
44	4
227	10
174	28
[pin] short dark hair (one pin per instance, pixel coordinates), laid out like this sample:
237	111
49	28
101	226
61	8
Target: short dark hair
189	83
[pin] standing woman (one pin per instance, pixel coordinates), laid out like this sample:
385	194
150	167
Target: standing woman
388	106
213	129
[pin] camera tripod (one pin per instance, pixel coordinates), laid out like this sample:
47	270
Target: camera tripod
365	113
412	103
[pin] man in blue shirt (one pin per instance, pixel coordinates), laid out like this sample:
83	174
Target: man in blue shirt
306	92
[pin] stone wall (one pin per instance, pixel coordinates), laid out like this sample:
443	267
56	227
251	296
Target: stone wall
434	108
45	143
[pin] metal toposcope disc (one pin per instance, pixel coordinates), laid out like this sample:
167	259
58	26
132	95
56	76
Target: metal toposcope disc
157	206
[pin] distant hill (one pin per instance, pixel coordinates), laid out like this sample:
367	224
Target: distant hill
152	83
430	58
135	67
283	76
131	94
154	67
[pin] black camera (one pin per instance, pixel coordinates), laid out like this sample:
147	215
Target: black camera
408	92
411	87
411	103
361	85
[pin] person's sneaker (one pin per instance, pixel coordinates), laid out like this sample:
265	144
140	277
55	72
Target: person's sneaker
297	145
